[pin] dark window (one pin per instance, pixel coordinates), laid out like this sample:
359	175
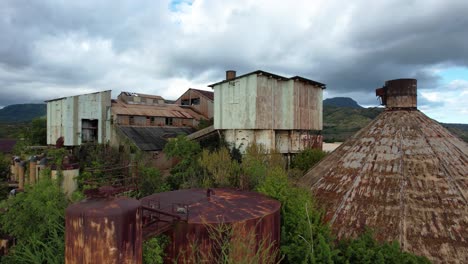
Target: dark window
168	121
89	130
185	102
131	120
195	101
152	121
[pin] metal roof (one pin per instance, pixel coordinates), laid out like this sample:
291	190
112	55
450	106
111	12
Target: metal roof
57	99
224	205
279	77
406	177
141	95
153	138
164	110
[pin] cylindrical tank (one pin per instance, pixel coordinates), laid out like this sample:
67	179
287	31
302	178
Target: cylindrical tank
32	172
104	230
401	93
250	220
21	170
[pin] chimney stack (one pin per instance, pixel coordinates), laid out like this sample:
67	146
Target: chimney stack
230	75
399	94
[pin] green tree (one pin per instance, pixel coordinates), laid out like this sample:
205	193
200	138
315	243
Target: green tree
153	250
220	169
150	181
187	172
38	132
307	158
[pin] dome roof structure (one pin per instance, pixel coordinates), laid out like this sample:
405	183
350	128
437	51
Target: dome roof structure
404	176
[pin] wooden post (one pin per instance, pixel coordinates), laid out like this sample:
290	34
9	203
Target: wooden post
32	172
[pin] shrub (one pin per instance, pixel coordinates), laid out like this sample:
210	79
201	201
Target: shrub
304	238
220	169
188	171
36	218
150	181
307	158
153	250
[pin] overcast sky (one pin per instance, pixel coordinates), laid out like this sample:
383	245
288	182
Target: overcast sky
56	48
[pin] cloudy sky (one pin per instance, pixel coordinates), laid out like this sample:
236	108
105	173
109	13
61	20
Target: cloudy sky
56	48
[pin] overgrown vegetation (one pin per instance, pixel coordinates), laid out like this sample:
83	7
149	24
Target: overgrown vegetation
307	158
153	250
36	219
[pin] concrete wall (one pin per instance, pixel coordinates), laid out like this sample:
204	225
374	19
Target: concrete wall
65	115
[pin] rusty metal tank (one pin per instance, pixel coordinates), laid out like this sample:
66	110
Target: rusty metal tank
104	230
250	219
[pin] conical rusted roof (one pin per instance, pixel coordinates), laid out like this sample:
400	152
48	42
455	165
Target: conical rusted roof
404	176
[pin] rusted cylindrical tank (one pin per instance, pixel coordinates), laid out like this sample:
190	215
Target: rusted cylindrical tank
401	93
230	74
32	172
104	230
250	220
21	170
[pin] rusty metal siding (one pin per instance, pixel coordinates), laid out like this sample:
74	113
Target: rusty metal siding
263	102
307	106
103	231
406	177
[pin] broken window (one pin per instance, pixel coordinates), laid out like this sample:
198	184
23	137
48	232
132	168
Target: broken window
152	121
131	120
89	130
169	121
185	102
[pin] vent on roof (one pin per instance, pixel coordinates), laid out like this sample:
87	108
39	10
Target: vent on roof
398	94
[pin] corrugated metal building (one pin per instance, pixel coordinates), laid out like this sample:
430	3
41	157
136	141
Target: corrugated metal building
79	119
280	113
404	175
199	100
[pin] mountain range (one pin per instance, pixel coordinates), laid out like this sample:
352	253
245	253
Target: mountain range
342	117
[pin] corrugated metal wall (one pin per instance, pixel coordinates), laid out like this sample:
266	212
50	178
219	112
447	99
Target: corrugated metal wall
261	102
64	117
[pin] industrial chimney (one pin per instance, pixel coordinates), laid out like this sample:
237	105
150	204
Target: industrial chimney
399	94
230	75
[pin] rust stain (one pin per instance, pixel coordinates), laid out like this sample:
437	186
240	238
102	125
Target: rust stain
405	176
246	212
104	231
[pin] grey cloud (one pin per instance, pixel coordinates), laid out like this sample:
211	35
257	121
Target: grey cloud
353	48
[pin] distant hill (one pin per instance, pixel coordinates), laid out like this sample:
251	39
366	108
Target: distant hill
18	113
341	102
341	122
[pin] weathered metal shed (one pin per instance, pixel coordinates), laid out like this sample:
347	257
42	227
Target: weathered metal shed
280	113
251	215
404	175
79	119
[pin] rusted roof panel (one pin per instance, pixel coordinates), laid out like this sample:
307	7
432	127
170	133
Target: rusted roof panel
120	108
226	205
405	176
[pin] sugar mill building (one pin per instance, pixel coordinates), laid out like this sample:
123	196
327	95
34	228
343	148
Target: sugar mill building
79	119
278	112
